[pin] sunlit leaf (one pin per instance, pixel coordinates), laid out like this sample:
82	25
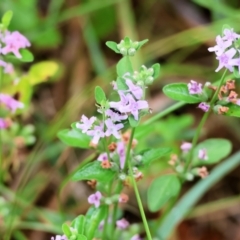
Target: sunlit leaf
124	66
42	71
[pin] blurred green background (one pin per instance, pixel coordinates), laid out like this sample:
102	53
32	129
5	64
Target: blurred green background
73	33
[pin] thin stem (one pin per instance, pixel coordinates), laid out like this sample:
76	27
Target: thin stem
202	122
105	225
164	112
128	163
1	144
139	202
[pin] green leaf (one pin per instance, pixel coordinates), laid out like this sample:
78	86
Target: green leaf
94	217
156	68
141	43
234	110
79	224
93	170
27	56
113	46
161	190
179	92
151	155
236	72
124	66
216	148
81	237
6	19
127	41
121	84
133	123
66	230
74	138
185	204
100	96
42	71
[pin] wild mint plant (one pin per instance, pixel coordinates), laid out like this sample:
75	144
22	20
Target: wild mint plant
111	134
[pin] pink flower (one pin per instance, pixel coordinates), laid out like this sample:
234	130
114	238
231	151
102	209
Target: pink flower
95	199
3	123
112	129
14	42
202	154
121	154
204	106
136	237
8	67
225	58
134	89
221	46
122	223
59	237
133	106
194	87
97	133
116	116
185	147
86	123
10	102
102	157
230	35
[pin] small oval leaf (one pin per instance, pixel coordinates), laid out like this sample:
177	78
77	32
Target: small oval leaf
74	138
161	190
124	66
93	170
100	95
179	92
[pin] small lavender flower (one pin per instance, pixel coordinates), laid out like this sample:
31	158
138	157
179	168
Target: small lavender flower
134	89
230	35
59	237
96	133
235	62
8	67
134	106
204	106
86	123
202	154
95	199
136	237
102	157
116	117
122	103
186	146
112	129
225	58
13	43
3	123
10	102
194	87
221	46
122	223
121	154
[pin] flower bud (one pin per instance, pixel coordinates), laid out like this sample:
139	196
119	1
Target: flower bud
149	80
119	46
122	176
179	169
131	51
150	71
189	176
123	51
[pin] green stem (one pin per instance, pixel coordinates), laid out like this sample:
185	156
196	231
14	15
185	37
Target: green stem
128	163
164	112
139	202
202	122
1	144
105	226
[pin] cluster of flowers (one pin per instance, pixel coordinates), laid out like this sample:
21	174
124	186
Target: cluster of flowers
226	50
130	103
10	42
226	95
177	162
